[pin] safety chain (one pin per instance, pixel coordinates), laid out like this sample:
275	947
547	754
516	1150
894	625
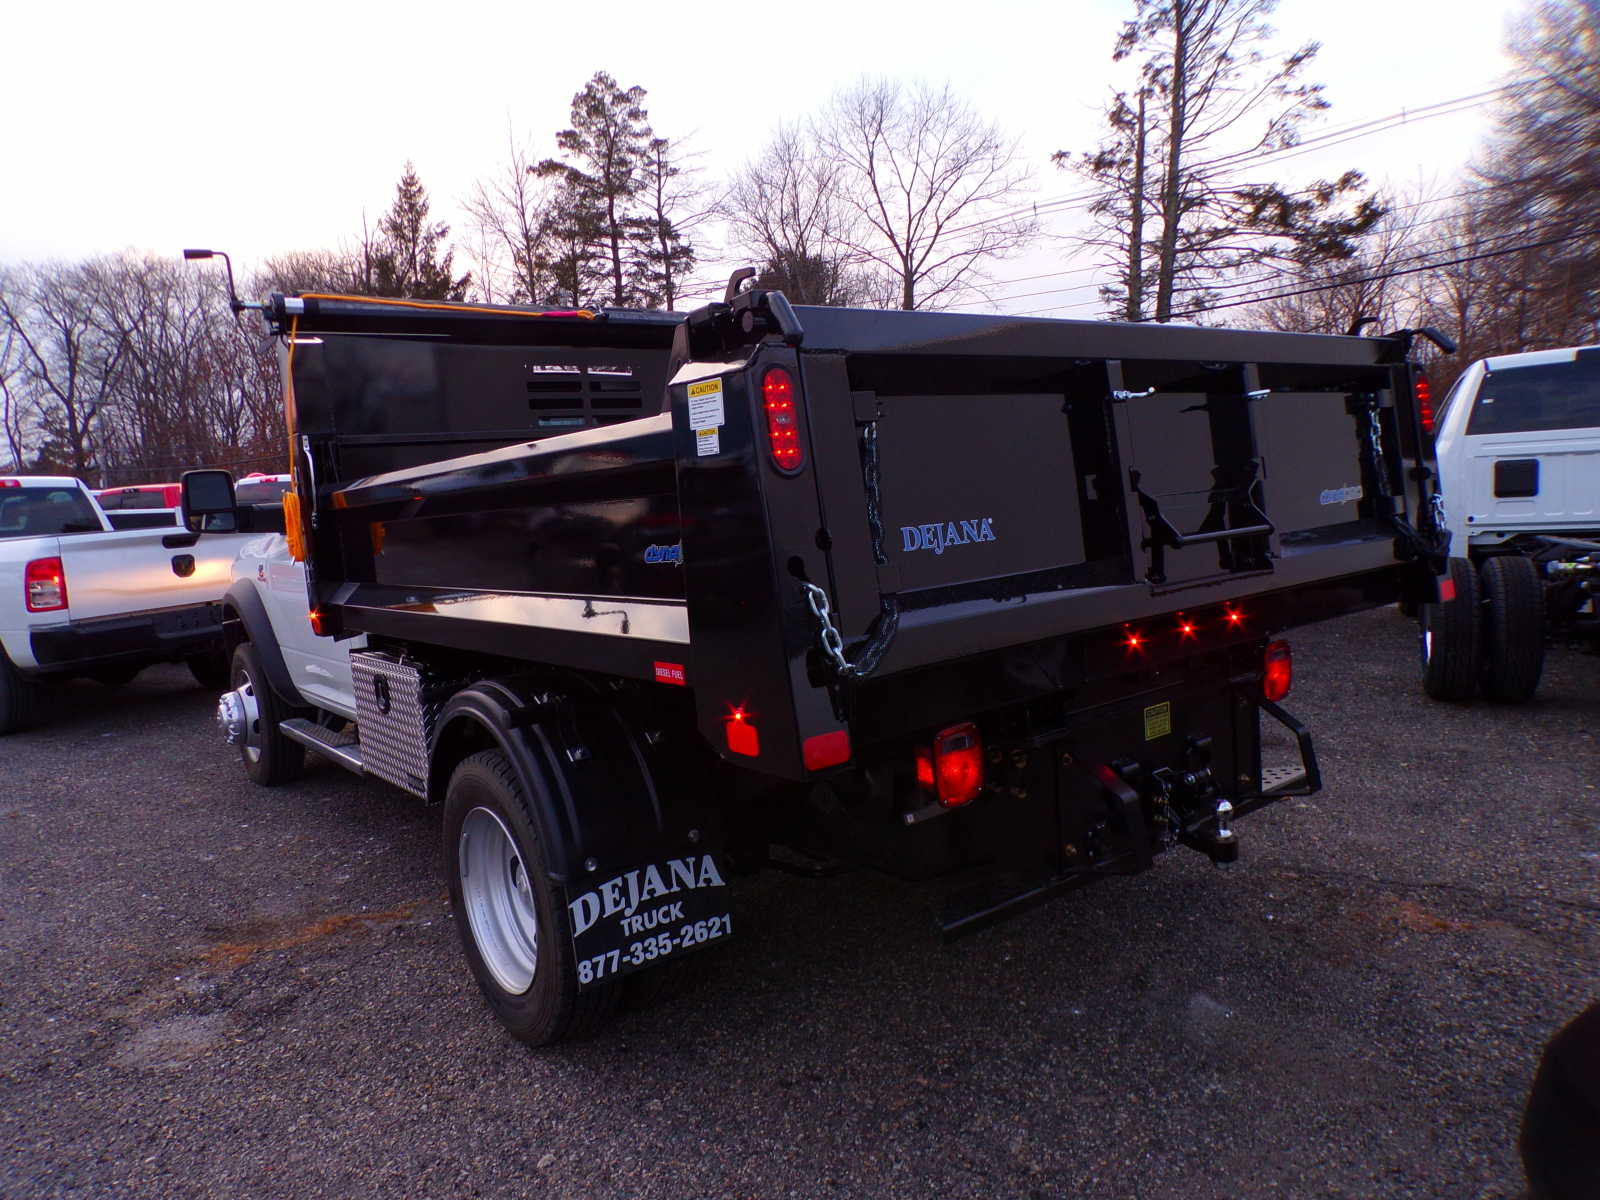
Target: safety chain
872	651
869	475
1375	439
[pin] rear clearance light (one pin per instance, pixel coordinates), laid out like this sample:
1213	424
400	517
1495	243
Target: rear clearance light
10	483
45	581
952	769
1277	671
1424	391
783	420
741	734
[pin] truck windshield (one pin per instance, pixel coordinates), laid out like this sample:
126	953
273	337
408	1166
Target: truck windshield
260	491
1562	395
134	498
43	511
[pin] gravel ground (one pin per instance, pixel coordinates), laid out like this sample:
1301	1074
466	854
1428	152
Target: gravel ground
213	990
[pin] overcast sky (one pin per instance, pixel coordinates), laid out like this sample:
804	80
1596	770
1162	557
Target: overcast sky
262	128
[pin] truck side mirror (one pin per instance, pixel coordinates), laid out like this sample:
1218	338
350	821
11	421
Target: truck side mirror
208	502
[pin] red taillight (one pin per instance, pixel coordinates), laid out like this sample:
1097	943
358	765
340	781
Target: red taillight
10	483
1277	671
46	584
783	420
1424	400
953	770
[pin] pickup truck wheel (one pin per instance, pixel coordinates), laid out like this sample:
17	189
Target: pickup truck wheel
16	698
269	758
210	670
1513	597
1452	638
514	929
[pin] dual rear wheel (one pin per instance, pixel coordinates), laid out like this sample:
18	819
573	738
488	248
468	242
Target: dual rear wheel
1489	636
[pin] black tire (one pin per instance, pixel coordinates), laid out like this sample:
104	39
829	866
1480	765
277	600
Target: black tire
549	1008
1513	640
17	698
1452	638
210	670
115	677
269	758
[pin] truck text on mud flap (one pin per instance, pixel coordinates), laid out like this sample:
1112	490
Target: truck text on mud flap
648	601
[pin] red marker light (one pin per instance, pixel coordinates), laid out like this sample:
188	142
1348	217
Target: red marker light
1133	640
783	420
45	585
1277	671
1233	617
1186	628
741	733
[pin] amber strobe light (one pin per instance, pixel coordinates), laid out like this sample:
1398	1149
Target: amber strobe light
783	421
45	585
1277	671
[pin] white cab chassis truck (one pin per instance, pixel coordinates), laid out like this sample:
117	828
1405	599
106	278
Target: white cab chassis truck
79	598
1518	444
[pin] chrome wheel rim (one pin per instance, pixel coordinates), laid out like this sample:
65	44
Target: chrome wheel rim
498	896
245	688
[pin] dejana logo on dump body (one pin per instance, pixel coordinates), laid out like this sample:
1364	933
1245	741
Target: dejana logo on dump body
939	537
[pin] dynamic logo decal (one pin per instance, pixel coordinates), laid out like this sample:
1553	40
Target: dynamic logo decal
952	533
622	896
1341	495
664	554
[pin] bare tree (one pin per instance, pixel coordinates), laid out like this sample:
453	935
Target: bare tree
672	205
935	187
1210	101
785	210
510	213
69	365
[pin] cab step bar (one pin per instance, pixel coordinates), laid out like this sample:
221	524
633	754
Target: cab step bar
337	745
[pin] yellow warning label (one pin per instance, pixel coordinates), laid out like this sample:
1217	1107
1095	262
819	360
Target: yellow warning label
1157	721
705	387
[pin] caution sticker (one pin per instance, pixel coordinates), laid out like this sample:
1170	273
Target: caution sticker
706	441
705	406
1157	721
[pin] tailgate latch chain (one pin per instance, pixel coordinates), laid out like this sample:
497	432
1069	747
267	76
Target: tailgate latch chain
832	642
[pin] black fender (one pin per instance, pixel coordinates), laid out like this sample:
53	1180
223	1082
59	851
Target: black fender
592	792
242	603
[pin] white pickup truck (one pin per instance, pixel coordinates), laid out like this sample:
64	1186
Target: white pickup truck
79	598
1518	445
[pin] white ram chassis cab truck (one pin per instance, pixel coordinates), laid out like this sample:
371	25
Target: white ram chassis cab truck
79	598
1518	444
275	654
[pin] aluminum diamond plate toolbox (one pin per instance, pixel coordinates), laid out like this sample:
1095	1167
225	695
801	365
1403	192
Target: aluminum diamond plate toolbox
397	704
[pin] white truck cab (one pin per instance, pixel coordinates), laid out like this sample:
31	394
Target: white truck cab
1518	447
1518	442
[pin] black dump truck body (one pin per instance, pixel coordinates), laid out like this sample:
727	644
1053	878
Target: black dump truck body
976	597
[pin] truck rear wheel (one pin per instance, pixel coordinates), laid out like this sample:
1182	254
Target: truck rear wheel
514	929
1513	640
16	698
269	758
1452	638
